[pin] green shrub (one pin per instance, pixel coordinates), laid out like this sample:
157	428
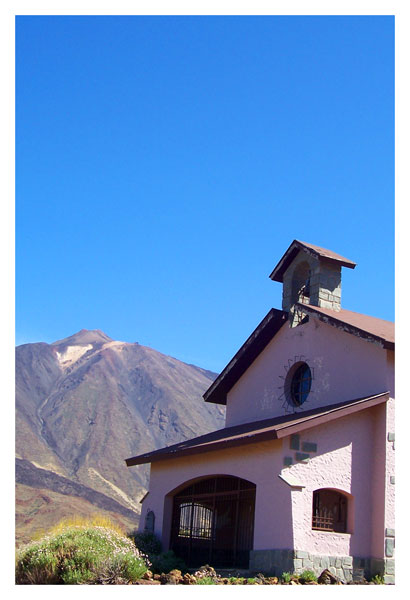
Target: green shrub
166	562
307	576
286	577
378	580
205	581
147	543
79	554
160	562
236	580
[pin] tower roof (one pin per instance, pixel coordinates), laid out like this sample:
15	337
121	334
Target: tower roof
295	247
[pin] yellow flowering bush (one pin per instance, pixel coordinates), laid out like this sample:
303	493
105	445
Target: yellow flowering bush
80	554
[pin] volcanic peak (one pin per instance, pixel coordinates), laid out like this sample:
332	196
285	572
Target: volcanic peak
85	336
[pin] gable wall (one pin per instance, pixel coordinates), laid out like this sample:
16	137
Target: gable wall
344	367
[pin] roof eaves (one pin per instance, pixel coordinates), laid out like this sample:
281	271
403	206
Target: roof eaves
332	414
347	327
277	273
248	352
272	432
223	444
144	497
295	247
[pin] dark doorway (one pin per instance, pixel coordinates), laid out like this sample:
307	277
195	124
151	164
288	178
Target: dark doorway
212	522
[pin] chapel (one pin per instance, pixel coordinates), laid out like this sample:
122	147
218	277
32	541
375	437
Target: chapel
302	475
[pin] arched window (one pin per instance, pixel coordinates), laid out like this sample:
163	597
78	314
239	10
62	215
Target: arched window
195	521
150	521
212	521
329	511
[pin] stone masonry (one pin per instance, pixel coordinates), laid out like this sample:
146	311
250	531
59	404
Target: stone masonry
325	282
346	568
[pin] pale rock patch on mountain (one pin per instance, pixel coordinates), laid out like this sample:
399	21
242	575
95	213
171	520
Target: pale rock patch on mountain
71	354
120	494
46	467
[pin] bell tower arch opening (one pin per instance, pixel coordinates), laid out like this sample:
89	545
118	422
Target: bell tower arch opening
301	283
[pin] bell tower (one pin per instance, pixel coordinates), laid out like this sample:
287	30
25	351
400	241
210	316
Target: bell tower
310	275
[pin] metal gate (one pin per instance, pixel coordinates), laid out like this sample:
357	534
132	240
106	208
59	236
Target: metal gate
212	522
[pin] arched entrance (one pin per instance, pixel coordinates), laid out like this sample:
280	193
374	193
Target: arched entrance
212	522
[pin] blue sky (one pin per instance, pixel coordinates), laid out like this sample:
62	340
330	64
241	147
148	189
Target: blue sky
164	165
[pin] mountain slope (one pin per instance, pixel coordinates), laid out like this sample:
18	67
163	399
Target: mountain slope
87	402
38	509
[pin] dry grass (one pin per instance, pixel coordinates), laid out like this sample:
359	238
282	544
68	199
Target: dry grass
38	510
96	520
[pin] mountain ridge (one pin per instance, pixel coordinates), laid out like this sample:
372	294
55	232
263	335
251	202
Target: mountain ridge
84	336
86	403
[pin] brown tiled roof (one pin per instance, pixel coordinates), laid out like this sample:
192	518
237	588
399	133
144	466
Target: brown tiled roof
295	247
253	346
259	431
364	326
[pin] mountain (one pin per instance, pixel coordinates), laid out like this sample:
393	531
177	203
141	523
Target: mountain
83	405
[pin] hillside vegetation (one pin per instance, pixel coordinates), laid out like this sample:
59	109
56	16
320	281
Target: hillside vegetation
81	552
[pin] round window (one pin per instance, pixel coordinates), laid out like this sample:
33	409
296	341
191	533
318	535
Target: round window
300	384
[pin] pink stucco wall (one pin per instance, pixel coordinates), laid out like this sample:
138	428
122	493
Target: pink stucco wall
378	482
390	449
390	485
258	463
353	454
344	367
344	460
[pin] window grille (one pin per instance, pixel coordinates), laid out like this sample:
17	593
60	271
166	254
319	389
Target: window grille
195	520
213	522
329	511
301	384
